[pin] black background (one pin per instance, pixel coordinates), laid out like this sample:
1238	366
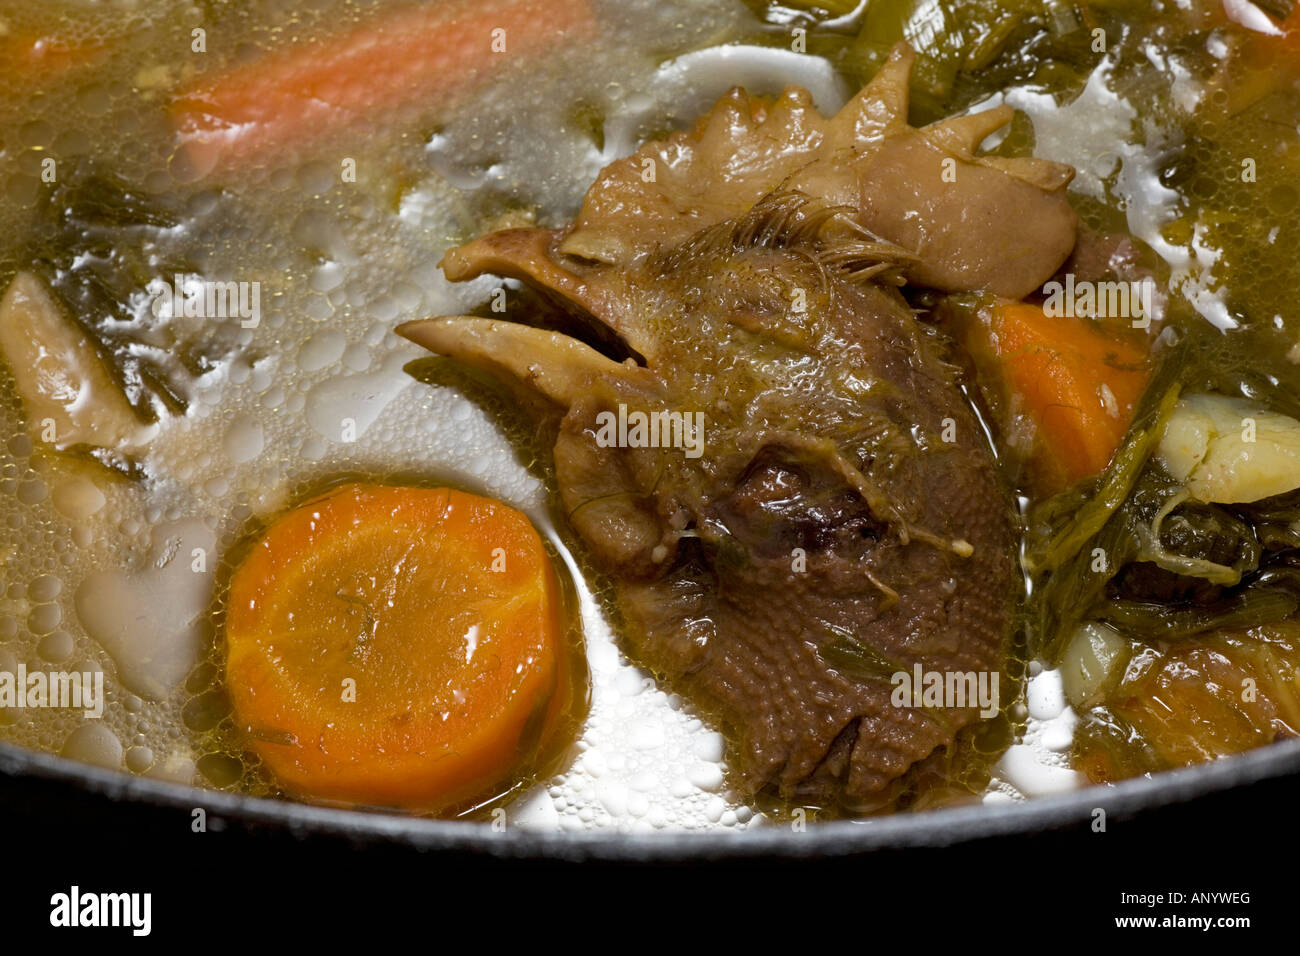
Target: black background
235	885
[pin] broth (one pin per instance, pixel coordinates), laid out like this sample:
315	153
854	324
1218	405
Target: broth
118	566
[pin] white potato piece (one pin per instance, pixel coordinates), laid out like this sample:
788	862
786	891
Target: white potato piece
1228	450
1091	663
68	395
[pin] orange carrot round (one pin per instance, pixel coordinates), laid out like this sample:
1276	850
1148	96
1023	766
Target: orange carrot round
397	646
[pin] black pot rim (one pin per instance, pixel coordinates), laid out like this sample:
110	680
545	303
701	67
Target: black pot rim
935	828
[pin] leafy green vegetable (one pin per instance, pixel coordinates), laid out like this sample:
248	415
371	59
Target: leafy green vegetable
1081	540
1276	520
852	657
1266	602
1199	541
1114	489
95	242
932	29
847	653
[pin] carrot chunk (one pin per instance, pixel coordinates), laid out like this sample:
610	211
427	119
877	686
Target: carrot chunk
1075	380
40	57
397	646
415	55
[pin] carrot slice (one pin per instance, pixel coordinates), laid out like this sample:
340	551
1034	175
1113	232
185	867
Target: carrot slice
397	646
1266	62
1077	381
38	57
416	55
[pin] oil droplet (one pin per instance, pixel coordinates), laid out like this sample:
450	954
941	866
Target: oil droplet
94	743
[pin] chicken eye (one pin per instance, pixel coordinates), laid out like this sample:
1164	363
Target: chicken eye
779	504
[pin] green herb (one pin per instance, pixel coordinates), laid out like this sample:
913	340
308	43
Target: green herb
95	242
850	655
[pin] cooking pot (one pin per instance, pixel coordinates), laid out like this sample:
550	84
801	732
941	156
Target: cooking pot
40	787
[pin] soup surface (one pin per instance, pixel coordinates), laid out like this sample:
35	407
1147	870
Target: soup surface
216	265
